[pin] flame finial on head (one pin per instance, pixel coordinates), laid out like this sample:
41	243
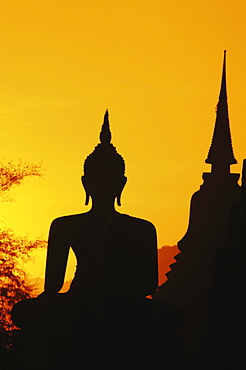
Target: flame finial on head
104	159
105	134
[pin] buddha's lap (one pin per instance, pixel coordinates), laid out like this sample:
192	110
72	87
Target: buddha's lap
62	310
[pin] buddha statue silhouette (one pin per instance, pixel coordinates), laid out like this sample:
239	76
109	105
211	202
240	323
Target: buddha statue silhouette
116	261
116	253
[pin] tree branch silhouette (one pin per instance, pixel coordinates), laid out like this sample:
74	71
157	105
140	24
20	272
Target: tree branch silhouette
13	174
14	284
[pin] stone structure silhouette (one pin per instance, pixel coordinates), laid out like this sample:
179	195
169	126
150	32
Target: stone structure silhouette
226	320
191	276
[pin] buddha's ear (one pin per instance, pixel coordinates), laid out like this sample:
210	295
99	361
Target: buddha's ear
87	195
119	195
118	200
87	198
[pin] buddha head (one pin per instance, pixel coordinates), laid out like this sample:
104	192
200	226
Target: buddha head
104	169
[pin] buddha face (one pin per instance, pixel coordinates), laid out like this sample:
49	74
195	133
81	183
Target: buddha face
103	188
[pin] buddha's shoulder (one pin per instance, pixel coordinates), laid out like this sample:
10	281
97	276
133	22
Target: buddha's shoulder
69	220
136	222
123	220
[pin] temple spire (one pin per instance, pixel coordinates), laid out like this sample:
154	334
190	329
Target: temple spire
221	153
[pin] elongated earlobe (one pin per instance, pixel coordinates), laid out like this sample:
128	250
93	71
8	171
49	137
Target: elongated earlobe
87	198
121	189
118	200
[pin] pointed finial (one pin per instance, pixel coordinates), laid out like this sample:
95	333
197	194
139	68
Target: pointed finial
105	134
223	93
224	64
221	152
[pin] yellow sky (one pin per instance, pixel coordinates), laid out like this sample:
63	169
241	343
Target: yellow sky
156	65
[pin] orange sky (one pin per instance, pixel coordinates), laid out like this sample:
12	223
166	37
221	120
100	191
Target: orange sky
156	65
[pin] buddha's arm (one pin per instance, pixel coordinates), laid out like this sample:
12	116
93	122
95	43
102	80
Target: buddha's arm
138	262
57	256
147	265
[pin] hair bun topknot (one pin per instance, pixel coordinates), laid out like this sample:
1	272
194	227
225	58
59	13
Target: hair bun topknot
104	160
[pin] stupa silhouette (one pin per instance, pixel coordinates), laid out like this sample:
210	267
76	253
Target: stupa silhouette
190	278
